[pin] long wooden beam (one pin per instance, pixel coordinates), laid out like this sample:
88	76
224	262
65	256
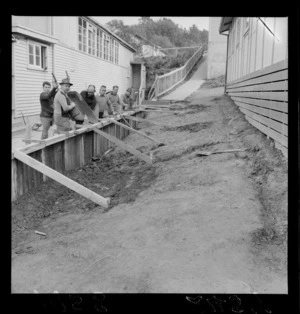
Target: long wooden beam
124	146
136	131
144	120
96	198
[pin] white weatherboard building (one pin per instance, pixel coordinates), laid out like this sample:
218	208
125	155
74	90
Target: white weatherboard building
89	52
257	72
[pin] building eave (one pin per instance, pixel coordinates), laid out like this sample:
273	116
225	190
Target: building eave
18	29
225	24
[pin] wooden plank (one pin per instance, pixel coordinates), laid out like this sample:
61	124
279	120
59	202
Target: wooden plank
278	66
138	132
20	174
96	198
124	146
145	120
279	116
273	134
69	154
274	86
14	182
279	96
279	127
37	177
273	105
88	146
277	76
82	106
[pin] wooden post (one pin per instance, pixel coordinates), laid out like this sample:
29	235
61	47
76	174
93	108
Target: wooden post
124	146
96	198
140	133
28	134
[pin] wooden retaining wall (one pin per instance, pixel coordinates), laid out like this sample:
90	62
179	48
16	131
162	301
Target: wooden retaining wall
263	97
63	155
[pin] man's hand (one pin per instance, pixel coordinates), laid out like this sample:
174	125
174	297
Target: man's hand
55	85
72	105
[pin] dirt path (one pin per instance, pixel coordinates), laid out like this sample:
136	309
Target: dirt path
186	224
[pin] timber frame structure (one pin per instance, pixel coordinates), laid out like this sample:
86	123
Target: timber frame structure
54	157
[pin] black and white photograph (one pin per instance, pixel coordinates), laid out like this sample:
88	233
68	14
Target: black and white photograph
149	155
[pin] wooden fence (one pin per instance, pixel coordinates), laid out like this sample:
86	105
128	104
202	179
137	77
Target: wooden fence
263	97
63	154
166	82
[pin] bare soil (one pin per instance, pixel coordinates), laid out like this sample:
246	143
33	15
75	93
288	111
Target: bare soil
186	224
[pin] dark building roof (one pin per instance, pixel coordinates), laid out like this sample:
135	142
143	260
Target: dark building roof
225	23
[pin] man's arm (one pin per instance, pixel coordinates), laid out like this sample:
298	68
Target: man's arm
63	102
109	106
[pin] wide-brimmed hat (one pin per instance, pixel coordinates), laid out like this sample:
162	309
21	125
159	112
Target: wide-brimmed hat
66	81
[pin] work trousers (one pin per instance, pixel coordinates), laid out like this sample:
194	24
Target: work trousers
46	123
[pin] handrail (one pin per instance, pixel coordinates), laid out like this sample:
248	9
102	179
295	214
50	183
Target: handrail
166	82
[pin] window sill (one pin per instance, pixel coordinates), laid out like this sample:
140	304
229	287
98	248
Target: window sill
36	69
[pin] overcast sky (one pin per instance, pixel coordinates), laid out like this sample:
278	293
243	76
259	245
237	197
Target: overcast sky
183	21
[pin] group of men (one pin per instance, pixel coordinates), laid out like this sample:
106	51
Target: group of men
58	109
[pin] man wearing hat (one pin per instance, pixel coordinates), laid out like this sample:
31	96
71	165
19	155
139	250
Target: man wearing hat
127	98
46	100
64	109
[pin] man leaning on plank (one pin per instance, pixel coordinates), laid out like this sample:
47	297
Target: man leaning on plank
64	109
90	98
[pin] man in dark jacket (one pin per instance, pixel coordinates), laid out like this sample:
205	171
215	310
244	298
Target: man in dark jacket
89	97
46	100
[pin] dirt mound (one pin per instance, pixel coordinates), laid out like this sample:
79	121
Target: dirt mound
193	127
118	176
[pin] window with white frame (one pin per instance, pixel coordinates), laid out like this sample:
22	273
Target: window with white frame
91	39
37	56
111	58
116	52
99	43
106	47
82	35
94	41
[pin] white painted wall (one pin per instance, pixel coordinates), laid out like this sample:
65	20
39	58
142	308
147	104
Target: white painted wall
257	47
217	45
85	69
38	23
28	82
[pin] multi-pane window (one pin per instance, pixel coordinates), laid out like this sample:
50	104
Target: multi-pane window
94	41
106	47
116	52
99	43
111	51
82	34
91	39
37	56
